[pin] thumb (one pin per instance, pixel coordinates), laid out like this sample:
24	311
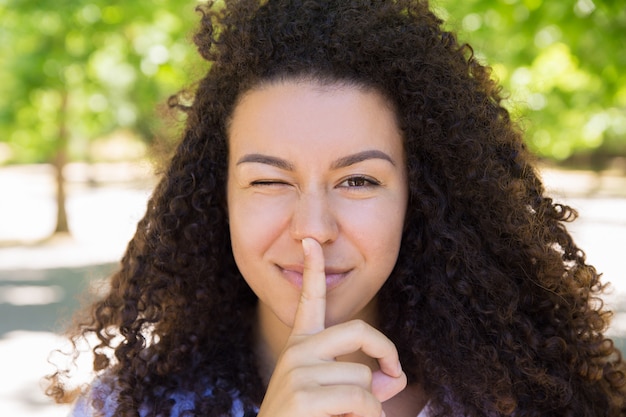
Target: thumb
385	386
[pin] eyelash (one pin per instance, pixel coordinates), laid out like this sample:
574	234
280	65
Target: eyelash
366	182
267	183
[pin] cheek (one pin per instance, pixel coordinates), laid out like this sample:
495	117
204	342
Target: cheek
378	226
254	226
378	234
383	250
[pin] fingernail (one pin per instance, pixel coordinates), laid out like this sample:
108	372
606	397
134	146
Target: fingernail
306	246
382	414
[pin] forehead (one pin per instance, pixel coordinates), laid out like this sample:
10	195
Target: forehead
314	83
302	113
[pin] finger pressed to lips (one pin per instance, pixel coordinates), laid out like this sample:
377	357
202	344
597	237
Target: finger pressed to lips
311	311
341	339
333	277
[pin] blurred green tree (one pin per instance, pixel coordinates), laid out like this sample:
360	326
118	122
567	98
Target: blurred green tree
74	70
563	66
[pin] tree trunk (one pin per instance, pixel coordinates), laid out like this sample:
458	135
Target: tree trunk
60	161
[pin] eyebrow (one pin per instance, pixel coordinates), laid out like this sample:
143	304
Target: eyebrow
344	162
266	159
360	157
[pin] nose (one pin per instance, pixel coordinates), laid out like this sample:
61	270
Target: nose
313	217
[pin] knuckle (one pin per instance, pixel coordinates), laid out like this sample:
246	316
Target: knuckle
290	356
359	326
365	402
296	379
300	400
297	352
364	373
358	395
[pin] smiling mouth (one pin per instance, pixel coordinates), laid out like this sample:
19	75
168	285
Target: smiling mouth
294	277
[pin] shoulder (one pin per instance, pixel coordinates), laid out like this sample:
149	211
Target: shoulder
100	396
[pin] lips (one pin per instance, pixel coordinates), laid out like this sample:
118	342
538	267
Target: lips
293	274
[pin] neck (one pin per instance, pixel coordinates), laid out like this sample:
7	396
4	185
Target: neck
408	403
271	337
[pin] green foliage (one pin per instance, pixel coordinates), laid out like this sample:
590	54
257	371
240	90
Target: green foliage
88	67
562	63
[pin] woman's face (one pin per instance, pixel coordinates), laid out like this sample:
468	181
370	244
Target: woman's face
319	161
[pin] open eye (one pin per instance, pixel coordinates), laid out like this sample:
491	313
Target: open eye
359	181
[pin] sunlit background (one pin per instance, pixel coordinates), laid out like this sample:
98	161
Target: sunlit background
82	90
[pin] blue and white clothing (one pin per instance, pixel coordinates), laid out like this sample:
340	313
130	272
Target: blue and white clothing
106	394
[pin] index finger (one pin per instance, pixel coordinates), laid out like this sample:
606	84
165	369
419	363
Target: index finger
311	312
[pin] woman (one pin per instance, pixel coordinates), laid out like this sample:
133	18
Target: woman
351	225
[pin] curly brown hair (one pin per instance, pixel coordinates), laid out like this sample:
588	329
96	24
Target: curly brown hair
491	304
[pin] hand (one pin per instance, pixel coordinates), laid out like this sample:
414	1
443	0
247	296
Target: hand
308	381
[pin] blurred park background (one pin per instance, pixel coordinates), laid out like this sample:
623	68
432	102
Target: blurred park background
84	124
